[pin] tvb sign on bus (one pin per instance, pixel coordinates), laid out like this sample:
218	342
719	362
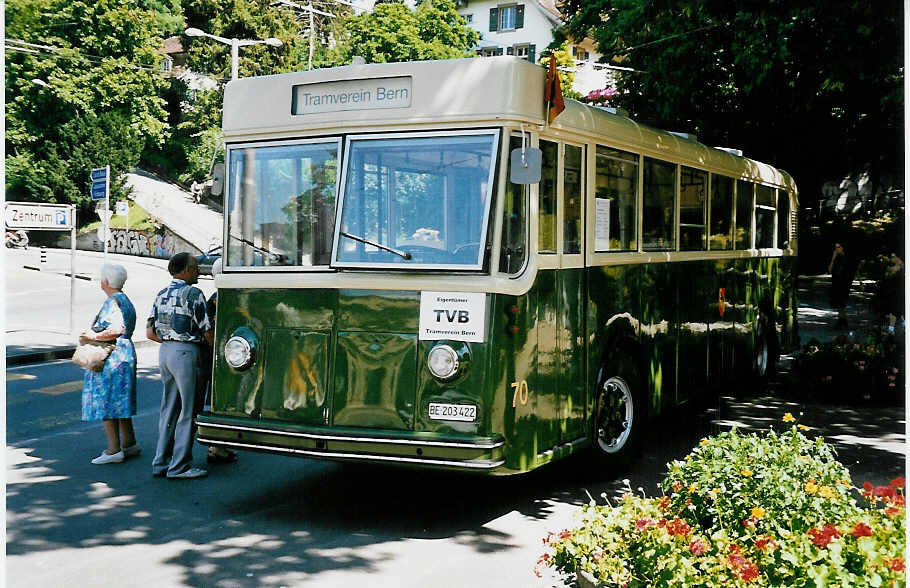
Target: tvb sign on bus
456	316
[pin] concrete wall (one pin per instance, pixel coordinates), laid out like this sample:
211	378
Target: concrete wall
162	243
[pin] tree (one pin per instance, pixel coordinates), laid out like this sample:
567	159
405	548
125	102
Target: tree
393	32
97	99
565	65
814	87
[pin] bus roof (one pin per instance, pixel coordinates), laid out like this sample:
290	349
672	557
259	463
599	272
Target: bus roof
494	90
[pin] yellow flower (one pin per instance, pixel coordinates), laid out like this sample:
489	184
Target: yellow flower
693	487
802	458
758	512
714	493
844	483
746	472
703	442
826	492
802	427
788	418
810	487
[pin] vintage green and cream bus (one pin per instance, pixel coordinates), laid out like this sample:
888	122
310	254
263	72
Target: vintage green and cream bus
400	288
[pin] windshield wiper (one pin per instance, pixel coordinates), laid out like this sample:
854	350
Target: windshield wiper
279	257
402	254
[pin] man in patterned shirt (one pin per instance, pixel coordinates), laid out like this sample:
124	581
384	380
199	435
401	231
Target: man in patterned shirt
180	323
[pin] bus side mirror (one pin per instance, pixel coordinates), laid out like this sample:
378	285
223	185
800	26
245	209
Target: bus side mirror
524	168
217	179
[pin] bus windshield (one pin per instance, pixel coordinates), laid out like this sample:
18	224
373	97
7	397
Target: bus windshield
416	201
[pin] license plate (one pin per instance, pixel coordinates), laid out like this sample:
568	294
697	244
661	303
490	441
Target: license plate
453	412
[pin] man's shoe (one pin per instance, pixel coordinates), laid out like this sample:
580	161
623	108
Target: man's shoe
189	474
106	457
131	451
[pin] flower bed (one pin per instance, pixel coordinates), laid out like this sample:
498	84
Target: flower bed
770	509
869	371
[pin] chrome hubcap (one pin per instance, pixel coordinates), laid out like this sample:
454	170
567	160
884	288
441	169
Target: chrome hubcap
615	413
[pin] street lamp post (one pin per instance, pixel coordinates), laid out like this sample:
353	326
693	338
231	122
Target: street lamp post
235	44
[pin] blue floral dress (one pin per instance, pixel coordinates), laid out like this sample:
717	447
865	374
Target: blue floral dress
111	393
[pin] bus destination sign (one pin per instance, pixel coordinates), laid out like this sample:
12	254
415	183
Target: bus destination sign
458	316
369	94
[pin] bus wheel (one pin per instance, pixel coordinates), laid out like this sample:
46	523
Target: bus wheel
618	411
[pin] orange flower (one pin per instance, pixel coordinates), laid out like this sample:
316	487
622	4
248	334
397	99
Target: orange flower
766	541
861	530
895	564
758	512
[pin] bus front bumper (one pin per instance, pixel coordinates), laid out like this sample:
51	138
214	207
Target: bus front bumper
345	444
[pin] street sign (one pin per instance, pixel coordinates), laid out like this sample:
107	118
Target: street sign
99	173
24	215
99	190
104	233
123	208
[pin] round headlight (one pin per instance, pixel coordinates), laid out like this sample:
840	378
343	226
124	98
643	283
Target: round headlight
238	352
443	362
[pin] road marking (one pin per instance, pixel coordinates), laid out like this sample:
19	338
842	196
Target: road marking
58	389
13	377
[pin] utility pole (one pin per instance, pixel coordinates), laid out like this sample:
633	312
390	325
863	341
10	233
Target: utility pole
309	9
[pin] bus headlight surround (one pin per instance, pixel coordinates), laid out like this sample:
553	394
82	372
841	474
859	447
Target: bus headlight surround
240	349
443	362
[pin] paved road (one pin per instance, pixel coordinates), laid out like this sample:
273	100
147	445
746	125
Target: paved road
275	521
38	301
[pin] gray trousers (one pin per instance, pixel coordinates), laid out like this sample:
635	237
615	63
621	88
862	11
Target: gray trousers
180	373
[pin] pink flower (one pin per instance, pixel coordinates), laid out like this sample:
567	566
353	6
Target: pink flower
699	546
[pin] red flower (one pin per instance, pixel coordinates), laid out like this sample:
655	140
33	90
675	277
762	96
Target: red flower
661	523
664	503
544	558
749	572
899	500
677	486
861	530
898	482
642	524
565	534
766	541
736	560
824	536
867	486
895	564
678	527
885	492
892	511
699	546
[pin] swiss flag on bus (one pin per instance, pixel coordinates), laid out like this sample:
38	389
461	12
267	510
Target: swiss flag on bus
553	92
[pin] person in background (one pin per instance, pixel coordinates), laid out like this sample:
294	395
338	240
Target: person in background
840	284
180	323
215	454
111	393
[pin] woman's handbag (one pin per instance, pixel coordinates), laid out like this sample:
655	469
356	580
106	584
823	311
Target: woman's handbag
92	354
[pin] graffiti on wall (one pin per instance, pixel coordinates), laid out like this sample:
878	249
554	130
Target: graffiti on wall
161	243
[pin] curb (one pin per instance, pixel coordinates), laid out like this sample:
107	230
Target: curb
57	353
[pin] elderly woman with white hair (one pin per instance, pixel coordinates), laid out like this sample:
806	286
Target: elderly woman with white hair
110	395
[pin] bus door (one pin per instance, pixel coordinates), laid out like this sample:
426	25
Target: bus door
561	292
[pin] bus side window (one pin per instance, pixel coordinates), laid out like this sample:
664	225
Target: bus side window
693	193
616	200
783	219
764	217
744	192
546	237
721	213
514	222
573	193
659	222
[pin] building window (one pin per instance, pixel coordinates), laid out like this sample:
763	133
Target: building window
580	54
469	18
167	64
491	51
507	18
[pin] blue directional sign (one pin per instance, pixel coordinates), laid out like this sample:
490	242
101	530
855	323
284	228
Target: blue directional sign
99	174
99	190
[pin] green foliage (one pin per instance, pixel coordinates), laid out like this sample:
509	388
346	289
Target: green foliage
812	87
394	32
564	60
101	101
770	510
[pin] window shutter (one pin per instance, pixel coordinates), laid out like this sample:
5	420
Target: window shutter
519	16
532	57
494	19
510	50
